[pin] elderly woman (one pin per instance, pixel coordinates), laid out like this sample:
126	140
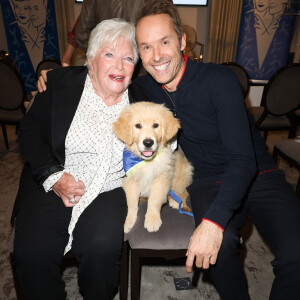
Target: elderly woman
70	194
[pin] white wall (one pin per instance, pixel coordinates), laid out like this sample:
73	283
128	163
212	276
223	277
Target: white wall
77	9
198	18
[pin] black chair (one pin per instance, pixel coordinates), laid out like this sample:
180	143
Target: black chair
13	94
168	244
279	100
289	149
47	64
241	75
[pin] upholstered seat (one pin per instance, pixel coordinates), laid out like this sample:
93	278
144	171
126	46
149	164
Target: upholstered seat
173	233
270	121
11	116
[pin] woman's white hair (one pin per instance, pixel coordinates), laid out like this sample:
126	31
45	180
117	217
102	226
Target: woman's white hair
108	32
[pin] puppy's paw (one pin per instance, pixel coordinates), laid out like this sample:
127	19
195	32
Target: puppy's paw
172	203
152	222
129	223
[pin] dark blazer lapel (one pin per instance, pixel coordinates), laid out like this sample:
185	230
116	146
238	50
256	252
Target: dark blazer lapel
65	103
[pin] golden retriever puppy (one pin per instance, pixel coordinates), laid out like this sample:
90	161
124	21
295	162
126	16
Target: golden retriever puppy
147	130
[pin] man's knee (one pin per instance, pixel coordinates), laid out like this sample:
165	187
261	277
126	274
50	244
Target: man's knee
287	257
230	245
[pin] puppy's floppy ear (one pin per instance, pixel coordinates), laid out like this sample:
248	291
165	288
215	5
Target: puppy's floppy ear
171	125
122	128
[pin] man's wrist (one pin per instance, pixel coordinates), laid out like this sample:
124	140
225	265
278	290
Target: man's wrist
204	219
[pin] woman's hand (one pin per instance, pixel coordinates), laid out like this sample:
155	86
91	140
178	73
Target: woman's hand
67	188
41	84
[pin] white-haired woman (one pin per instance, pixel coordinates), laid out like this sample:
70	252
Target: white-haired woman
70	194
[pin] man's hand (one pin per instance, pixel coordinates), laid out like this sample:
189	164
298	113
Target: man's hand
68	188
41	84
204	245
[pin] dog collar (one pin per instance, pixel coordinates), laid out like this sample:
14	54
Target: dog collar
132	162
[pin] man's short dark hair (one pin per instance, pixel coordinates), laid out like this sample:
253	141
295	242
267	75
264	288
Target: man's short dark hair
157	7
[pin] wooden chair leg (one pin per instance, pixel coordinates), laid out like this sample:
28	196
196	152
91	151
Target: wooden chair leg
275	155
5	136
293	128
292	132
17	129
124	272
135	275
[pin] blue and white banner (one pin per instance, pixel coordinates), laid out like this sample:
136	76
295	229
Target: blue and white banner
31	34
264	38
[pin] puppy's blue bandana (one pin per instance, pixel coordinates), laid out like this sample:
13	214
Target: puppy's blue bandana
132	162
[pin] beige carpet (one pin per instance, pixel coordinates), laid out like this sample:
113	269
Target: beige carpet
157	281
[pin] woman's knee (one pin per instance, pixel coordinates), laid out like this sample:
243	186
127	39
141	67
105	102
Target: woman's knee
37	247
98	245
36	254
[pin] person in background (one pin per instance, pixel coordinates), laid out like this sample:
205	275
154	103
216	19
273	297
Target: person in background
70	194
71	47
95	11
92	13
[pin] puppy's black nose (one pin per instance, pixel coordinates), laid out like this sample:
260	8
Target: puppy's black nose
148	143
